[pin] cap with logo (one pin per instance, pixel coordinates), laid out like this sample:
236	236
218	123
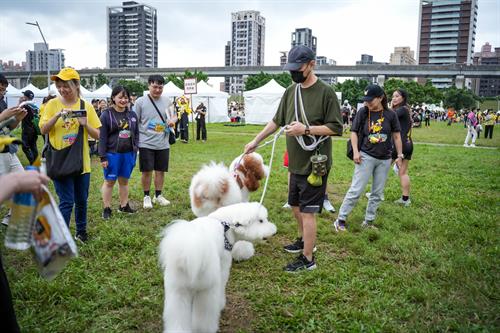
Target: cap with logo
66	74
372	91
298	56
29	94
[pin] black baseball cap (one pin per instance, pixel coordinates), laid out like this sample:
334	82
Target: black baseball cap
372	91
29	94
298	56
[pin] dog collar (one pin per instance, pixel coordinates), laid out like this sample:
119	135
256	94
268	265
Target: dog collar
227	245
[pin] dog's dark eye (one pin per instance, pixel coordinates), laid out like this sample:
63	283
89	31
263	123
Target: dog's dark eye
237	225
261	221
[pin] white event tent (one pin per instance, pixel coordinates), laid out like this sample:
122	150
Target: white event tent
261	103
214	100
103	92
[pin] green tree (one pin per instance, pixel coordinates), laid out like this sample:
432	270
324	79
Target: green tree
84	83
179	80
134	87
256	81
39	81
101	79
352	90
459	98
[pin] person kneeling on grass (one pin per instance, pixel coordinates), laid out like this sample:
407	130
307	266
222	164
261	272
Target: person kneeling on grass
118	145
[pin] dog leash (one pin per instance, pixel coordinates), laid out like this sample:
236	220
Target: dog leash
273	141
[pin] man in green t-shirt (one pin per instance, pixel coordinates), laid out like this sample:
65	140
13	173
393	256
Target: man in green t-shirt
310	112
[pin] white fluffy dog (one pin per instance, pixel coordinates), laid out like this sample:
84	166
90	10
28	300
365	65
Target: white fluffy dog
196	261
216	186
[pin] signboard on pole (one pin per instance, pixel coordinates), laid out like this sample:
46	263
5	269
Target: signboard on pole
190	86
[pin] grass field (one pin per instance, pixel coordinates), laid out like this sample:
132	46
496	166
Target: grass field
433	266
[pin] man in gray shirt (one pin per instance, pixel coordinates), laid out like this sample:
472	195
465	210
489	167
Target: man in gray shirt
156	117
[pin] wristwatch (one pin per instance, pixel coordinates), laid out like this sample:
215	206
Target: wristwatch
307	131
401	156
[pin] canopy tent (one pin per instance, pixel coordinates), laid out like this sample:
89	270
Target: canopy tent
12	96
214	100
261	103
35	90
103	92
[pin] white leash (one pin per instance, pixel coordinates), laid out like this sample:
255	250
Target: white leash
274	140
299	106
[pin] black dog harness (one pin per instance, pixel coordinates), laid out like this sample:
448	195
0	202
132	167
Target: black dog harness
227	245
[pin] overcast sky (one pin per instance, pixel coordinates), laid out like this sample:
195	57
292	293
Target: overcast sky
194	32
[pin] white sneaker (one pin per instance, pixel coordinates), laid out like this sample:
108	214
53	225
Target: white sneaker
328	206
368	225
287	206
160	200
400	201
368	196
146	204
466	145
472	145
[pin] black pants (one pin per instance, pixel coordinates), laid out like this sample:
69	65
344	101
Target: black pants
7	315
488	130
427	122
201	127
29	145
184	127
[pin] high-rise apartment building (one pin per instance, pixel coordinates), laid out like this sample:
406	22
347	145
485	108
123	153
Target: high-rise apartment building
247	44
446	34
402	55
487	87
38	59
132	36
303	36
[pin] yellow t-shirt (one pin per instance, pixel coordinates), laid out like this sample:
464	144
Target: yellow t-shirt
64	133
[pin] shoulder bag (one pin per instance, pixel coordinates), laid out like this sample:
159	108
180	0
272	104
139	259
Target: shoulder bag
66	162
171	134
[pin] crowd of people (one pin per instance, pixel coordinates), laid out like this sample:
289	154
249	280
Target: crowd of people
119	130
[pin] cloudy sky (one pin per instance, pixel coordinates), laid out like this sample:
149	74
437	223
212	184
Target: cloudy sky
194	32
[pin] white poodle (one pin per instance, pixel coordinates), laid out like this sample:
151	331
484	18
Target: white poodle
196	261
216	186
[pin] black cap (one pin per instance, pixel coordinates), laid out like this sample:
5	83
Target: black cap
298	56
371	92
29	94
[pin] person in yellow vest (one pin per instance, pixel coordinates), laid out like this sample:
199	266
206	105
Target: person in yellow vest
183	114
69	120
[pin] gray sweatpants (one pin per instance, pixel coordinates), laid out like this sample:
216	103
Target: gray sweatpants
369	167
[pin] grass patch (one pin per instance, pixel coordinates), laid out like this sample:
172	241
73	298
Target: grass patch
429	267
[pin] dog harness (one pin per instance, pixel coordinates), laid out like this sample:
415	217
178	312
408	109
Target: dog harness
227	245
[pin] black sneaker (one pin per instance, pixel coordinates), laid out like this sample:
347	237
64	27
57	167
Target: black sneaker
301	263
296	246
126	209
106	213
82	236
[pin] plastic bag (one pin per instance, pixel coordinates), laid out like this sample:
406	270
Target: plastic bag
52	243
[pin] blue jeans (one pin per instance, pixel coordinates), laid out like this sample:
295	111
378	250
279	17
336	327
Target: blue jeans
369	167
74	191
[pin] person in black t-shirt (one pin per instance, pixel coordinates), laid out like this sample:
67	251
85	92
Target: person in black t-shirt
118	146
400	106
29	135
201	112
375	127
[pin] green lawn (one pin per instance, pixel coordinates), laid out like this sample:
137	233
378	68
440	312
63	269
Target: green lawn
431	267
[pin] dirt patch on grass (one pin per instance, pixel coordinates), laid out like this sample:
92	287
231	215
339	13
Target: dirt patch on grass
237	315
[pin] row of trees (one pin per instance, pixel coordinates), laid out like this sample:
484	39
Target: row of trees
352	90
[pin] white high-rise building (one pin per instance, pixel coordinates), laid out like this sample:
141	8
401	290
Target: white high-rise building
402	55
247	44
37	59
